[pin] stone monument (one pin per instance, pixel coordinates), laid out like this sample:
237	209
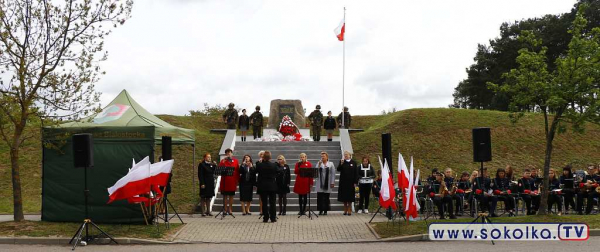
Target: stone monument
281	108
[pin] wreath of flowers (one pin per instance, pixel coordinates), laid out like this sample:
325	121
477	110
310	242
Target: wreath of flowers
287	127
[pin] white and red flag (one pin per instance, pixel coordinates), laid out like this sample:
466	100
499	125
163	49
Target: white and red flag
412	206
140	178
340	30
387	194
402	173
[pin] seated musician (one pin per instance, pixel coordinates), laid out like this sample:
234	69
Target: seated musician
432	178
501	187
529	192
555	192
482	190
463	191
587	189
568	187
440	195
450	183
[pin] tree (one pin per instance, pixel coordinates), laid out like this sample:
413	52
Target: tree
49	61
490	62
567	95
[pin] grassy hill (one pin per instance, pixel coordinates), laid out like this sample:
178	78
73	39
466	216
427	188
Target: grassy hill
434	137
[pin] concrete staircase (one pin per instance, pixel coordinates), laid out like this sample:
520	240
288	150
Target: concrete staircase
291	151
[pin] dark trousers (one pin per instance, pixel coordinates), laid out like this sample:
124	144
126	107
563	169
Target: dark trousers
569	195
323	203
458	203
509	203
282	202
365	191
231	126
554	198
486	203
316	133
257	131
302	201
532	202
268	207
590	201
440	202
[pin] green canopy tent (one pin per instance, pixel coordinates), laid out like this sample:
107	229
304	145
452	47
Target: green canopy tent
121	131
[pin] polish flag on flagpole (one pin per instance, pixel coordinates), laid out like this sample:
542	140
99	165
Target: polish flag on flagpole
412	205
340	30
140	178
387	194
403	181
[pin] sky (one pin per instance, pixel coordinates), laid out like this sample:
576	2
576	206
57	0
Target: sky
173	56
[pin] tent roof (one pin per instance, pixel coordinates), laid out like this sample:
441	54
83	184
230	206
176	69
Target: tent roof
124	111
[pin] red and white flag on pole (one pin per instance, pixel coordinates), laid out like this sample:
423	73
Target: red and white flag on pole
403	180
412	205
340	30
387	194
140	178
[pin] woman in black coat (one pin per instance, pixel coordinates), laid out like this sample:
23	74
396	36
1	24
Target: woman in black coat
348	179
283	183
329	126
243	124
267	185
247	183
206	178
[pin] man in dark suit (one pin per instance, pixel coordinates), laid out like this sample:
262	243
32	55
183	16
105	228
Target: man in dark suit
267	173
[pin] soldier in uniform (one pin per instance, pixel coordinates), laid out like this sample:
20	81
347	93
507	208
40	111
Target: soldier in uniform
256	119
347	119
230	117
316	121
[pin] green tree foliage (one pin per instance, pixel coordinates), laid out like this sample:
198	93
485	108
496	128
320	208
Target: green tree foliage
566	92
492	61
49	61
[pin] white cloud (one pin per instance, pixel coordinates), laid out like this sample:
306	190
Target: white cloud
173	56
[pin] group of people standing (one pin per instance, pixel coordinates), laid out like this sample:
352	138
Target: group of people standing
243	122
317	121
272	180
444	190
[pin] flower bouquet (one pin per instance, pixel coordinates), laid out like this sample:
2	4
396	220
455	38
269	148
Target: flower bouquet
287	127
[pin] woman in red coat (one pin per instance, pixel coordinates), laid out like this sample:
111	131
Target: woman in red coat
229	183
302	185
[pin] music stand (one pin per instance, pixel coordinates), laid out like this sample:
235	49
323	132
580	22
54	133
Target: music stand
309	173
224	172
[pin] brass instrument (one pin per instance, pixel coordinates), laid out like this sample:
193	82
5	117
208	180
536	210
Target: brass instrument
454	187
443	188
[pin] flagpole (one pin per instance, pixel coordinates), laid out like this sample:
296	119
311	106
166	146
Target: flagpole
344	73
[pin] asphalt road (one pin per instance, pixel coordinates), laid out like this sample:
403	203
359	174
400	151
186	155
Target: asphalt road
590	245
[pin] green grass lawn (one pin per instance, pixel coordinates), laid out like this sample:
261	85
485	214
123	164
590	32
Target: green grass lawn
437	138
386	230
61	229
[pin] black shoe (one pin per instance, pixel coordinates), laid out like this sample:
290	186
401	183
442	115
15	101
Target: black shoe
345	213
243	213
265	220
300	213
249	213
325	213
320	212
284	213
274	220
452	217
203	215
209	214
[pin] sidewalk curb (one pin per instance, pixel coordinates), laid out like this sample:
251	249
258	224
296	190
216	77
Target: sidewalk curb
64	241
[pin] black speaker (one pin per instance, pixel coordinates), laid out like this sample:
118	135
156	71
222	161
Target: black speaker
386	148
482	145
166	148
83	151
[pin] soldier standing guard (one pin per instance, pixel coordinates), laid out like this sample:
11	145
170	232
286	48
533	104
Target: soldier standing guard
316	121
347	119
230	117
256	119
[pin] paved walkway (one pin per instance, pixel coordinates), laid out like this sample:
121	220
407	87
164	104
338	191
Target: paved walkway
289	228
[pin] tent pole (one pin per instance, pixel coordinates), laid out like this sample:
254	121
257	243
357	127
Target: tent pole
194	169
